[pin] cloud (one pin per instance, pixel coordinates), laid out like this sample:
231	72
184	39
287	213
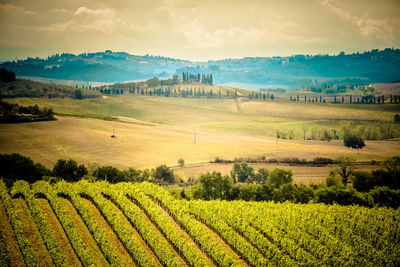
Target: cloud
15	10
60	10
268	32
102	12
382	28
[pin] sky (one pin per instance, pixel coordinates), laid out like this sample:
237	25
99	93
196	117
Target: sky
197	30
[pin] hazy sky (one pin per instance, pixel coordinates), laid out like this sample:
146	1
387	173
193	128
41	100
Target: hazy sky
197	30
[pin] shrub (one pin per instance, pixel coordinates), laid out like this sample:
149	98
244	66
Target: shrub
322	161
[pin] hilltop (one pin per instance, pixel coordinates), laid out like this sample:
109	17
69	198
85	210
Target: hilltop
291	72
28	88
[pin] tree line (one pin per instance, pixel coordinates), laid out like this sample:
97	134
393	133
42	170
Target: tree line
26	88
261	96
367	99
15	167
344	185
10	113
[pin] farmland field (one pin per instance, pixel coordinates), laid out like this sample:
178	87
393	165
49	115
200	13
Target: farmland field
142	224
159	130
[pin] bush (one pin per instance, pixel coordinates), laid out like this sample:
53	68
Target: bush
322	161
353	141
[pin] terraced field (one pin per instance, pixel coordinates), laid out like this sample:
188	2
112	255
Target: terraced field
85	224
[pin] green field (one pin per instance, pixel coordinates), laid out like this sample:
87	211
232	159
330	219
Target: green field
141	224
160	130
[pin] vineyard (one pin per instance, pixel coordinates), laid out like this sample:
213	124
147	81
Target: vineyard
100	224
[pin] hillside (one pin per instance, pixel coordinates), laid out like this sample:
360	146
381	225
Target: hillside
161	130
141	224
294	72
28	88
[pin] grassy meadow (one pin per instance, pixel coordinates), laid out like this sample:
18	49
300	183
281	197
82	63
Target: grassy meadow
158	130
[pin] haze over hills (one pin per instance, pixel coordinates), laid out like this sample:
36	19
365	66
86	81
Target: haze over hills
293	72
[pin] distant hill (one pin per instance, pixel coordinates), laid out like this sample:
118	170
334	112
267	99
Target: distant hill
293	72
27	88
387	88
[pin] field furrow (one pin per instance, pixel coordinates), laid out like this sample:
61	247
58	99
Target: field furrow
137	247
32	232
178	238
65	245
148	231
94	250
13	255
110	235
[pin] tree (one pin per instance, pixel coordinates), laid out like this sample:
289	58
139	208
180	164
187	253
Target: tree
110	174
279	177
153	82
6	75
78	94
164	173
303	194
397	118
215	186
392	165
69	170
286	192
15	167
241	172
332	179
261	176
346	167
353	141
181	162
134	175
363	181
